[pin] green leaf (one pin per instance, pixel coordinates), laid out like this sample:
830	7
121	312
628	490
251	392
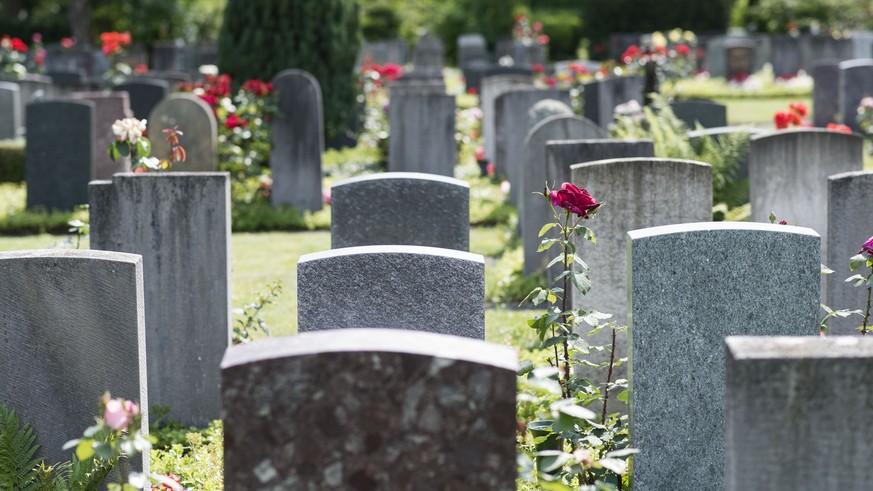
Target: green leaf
546	244
123	148
103	450
623	397
772	217
85	449
578	412
857	261
615	465
546	228
624	452
143	147
856	280
870	281
553	341
581	281
525	367
587	233
826	270
540	296
113	152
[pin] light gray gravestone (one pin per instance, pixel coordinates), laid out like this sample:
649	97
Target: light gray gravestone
59	155
371	407
196	121
32	88
396	287
533	211
108	107
788	175
861	44
850	223
786	55
825	92
10	110
544	109
180	223
602	96
72	327
382	52
144	95
400	208
427	56
422	132
795	417
298	141
709	114
492	87
690	286
472	47
510	109
856	83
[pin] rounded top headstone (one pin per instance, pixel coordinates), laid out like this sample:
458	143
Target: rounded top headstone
545	108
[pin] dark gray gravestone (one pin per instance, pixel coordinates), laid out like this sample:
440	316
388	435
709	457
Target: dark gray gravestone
68	80
801	161
786	56
856	82
144	95
108	107
849	225
196	120
298	141
740	57
180	223
511	127
422	131
473	72
533	211
492	87
371	407
396	287
10	110
529	54
862	44
825	92
400	208
794	417
709	114
602	96
690	286
59	155
72	327
472	47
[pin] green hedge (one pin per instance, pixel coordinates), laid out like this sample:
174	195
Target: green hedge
11	160
564	28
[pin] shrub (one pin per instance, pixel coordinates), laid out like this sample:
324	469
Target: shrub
564	28
493	19
12	160
785	15
319	36
380	22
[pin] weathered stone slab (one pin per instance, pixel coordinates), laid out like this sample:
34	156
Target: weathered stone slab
369	410
10	110
690	286
708	114
471	47
602	96
180	223
491	88
427	56
400	208
71	328
825	92
422	132
795	415
144	94
108	107
298	141
546	108
397	287
856	83
196	120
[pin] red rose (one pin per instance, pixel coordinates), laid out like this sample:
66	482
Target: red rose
538	68
840	128
18	45
799	108
234	121
472	91
577	68
543	39
68	43
782	120
573	199
550	81
683	49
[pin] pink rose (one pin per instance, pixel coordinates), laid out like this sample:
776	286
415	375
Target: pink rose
119	413
867	248
573	199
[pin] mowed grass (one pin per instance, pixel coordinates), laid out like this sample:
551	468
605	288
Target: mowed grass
758	111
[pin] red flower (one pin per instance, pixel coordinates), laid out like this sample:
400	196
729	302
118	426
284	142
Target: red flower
209	99
543	39
795	118
68	43
257	87
799	108
480	153
783	222
37	37
550	81
577	68
630	54
39	58
472	91
867	248
782	120
141	68
840	128
234	121
683	50
574	200
491	169
18	45
538	68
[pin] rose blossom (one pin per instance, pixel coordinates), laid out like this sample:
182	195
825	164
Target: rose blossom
129	129
867	248
119	413
573	199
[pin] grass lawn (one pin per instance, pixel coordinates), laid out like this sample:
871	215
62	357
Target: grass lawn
758	111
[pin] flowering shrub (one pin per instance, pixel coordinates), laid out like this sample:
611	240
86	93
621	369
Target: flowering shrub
12	55
529	33
792	117
674	55
130	141
863	258
112	45
373	79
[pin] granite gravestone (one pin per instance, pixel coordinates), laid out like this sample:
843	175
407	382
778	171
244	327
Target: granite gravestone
706	113
544	109
72	328
795	417
144	95
382	52
739	58
10	110
690	286
298	141
533	211
422	131
850	224
492	87
195	119
59	155
369	410
825	92
602	96
799	160
856	82
472	47
108	107
32	88
427	57
180	223
786	56
400	208
397	287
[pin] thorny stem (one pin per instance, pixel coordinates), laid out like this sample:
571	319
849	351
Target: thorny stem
567	232
608	379
867	312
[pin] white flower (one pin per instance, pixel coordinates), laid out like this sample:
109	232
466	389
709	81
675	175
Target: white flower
151	162
129	130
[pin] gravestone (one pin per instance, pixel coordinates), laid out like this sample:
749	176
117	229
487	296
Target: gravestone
180	223
533	211
382	52
739	57
72	328
492	87
602	96
400	208
372	408
298	141
690	286
795	417
473	72
32	88
529	54
850	224
825	92
511	127
108	107
196	121
786	58
856	82
544	109
396	287
427	57
68	80
799	160
10	110
144	95
172	77
472	47
709	114
59	155
422	131
862	44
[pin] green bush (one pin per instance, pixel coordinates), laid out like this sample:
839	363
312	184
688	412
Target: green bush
380	22
776	15
260	39
493	19
12	160
564	28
